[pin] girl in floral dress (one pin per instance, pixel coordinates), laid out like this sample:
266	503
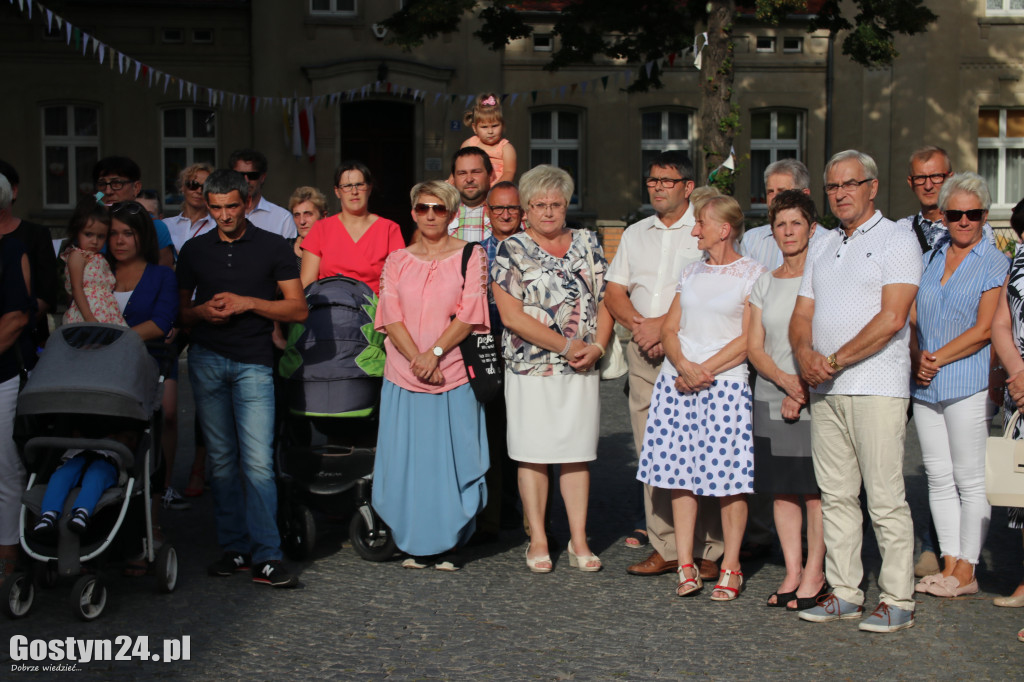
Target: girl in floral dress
88	278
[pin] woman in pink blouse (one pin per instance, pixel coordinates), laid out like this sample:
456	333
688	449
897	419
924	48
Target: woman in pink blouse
428	480
355	242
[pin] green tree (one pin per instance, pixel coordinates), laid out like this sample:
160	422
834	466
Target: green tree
640	31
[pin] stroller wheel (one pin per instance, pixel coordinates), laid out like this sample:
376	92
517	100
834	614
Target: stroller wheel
88	597
300	535
166	565
16	595
370	536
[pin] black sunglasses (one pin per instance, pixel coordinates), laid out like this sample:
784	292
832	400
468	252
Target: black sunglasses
193	185
251	175
974	215
129	207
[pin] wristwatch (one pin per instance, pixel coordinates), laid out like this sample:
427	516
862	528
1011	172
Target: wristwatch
437	351
832	362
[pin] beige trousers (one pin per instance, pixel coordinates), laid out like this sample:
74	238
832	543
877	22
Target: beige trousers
857	438
708	542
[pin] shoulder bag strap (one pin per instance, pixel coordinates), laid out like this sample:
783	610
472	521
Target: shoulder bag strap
921	239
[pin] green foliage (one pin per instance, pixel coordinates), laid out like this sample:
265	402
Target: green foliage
873	28
424	20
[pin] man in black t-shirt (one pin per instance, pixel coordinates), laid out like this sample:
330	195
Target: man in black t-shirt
234	274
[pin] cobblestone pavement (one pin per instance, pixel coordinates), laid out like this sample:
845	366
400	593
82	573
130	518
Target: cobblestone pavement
353	619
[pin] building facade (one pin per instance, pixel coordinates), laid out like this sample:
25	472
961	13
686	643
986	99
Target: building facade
196	80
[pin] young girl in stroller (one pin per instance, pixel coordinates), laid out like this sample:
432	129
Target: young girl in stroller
94	471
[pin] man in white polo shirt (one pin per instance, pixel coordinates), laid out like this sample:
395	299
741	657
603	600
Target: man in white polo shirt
850	339
640	285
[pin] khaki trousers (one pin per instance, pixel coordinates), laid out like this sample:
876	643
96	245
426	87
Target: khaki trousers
857	438
708	542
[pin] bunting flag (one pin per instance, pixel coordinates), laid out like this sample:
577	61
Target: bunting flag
302	108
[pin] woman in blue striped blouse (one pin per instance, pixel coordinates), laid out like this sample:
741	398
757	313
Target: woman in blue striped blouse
952	318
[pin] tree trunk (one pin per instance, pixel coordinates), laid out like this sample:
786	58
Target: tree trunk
718	117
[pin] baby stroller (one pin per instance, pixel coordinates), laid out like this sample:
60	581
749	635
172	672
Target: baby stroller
331	370
91	376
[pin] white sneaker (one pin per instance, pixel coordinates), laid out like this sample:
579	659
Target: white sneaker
173	500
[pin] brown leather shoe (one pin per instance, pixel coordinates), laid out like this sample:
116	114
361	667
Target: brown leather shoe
654	565
708	570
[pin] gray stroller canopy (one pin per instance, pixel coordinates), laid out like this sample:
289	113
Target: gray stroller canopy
92	368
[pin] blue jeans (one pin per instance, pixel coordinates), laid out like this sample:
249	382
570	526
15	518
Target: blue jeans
235	407
94	478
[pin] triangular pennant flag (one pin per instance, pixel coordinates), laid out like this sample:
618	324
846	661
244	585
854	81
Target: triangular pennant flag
60	21
49	21
85	43
167	80
30	9
572	88
512	100
649	66
583	88
533	93
698	48
437	96
102	52
469	100
195	92
561	91
672	59
120	62
148	72
138	69
181	89
604	82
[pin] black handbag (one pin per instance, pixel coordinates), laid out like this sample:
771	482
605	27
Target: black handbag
481	354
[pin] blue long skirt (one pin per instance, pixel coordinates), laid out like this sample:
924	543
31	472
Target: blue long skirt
428	478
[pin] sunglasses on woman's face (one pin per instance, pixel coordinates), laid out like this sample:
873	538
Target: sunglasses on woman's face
193	185
974	215
439	209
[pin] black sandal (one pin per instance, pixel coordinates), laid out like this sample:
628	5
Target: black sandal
804	603
640	537
781	598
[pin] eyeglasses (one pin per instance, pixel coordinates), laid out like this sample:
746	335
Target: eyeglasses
974	215
440	210
847	186
542	208
115	185
251	175
505	209
129	207
936	179
352	187
667	183
193	185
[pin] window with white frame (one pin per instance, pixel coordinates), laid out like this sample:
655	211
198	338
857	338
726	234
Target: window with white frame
1001	153
71	147
333	7
661	131
774	134
555	138
189	136
1004	7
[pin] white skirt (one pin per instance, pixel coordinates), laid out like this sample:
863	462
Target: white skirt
553	419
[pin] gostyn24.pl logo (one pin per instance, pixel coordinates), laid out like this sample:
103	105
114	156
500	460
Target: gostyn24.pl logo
28	655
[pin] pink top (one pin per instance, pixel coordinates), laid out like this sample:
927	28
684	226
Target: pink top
424	295
98	284
494	153
362	260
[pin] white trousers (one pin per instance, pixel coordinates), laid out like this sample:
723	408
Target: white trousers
12	472
952	435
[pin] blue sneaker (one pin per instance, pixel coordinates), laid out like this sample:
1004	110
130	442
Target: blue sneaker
829	608
887	618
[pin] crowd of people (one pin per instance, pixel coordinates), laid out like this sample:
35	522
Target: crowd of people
771	375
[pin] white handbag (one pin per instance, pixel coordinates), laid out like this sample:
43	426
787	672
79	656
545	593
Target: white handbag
1004	468
613	364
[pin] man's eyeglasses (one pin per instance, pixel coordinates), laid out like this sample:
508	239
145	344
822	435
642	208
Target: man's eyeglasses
251	175
973	214
936	179
352	187
115	185
848	186
194	185
440	210
667	183
505	209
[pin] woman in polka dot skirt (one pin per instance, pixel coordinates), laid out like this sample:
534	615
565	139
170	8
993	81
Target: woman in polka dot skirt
699	438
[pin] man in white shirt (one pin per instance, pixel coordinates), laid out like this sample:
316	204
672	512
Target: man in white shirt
264	214
759	242
471	175
850	339
640	286
930	167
